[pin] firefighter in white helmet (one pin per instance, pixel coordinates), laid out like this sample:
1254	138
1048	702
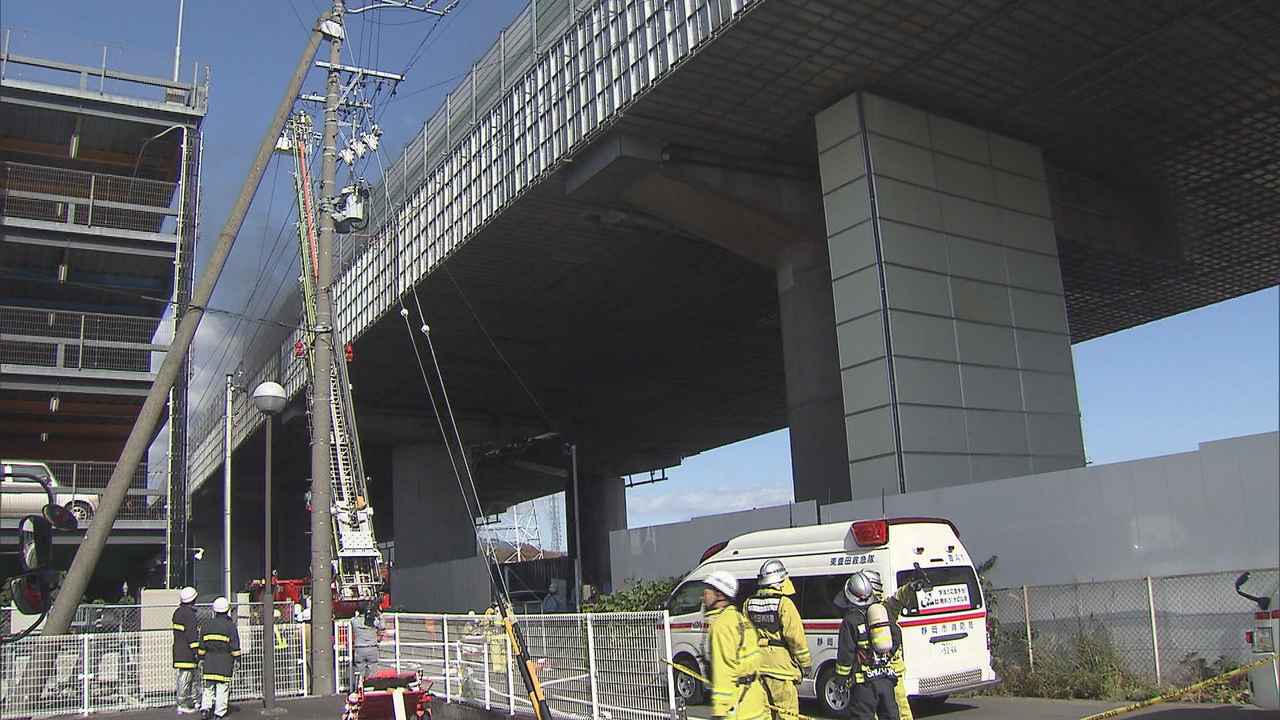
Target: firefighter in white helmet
733	650
219	653
869	650
186	643
784	649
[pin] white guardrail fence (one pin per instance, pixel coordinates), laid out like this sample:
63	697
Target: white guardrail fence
608	665
114	671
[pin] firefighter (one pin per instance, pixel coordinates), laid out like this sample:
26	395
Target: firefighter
186	642
868	644
496	632
784	649
219	651
734	652
366	633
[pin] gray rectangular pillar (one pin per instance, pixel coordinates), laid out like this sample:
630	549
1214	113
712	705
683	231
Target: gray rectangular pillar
951	326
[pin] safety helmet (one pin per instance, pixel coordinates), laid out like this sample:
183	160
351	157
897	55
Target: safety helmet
722	582
772	572
863	587
221	606
187	595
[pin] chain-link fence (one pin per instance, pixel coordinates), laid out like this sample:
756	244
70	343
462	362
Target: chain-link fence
601	665
1161	630
111	671
75	197
78	341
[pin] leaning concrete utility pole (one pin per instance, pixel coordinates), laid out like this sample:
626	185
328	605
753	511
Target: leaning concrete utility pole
90	550
322	671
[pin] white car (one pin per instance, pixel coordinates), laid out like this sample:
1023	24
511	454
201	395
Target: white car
20	496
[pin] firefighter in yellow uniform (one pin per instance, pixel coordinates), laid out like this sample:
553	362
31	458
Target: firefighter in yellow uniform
784	649
733	649
496	632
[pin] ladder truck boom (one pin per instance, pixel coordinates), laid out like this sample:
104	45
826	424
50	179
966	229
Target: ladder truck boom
358	574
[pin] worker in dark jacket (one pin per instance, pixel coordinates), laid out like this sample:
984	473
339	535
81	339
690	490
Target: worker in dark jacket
186	641
219	651
869	671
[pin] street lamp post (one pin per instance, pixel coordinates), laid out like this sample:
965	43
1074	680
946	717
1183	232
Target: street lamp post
269	398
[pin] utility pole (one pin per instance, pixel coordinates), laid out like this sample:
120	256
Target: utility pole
177	51
95	539
321	406
227	419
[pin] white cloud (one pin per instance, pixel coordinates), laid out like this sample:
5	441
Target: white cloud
680	504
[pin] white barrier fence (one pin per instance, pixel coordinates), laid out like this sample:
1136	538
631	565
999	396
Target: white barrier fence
96	672
608	665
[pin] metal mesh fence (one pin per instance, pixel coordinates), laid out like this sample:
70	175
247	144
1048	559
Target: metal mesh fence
78	486
95	672
604	665
74	197
1159	628
77	341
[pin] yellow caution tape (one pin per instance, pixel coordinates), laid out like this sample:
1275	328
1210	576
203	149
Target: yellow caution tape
680	668
1181	691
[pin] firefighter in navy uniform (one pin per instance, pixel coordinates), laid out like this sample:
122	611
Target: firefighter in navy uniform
870	647
784	649
219	651
186	642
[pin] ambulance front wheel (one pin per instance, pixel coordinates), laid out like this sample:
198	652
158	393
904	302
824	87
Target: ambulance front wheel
689	688
833	695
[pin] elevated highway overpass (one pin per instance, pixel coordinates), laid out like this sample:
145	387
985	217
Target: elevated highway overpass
660	227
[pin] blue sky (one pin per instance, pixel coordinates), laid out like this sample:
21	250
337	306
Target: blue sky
1156	389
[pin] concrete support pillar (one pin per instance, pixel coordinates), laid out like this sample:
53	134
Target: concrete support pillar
604	504
815	413
246	534
438	565
205	525
951	329
430	512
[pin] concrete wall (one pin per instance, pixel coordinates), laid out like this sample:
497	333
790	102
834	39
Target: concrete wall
671	550
950	320
450	586
1217	508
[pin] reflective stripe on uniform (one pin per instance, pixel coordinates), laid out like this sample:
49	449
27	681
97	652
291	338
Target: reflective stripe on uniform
844	669
216	637
216	678
179	627
235	653
184	665
195	644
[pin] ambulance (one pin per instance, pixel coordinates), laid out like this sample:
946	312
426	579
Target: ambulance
1264	680
944	627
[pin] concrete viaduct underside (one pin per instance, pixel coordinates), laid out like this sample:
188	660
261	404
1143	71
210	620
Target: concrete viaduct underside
670	289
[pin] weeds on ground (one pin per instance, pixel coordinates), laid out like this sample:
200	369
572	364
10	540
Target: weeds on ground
1228	692
641	596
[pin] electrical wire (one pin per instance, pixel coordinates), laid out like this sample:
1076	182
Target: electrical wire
209	309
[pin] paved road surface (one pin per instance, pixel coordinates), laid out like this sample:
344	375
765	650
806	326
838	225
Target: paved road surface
1000	708
986	708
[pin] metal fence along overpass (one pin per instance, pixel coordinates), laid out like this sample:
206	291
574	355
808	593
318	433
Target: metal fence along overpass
658	227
